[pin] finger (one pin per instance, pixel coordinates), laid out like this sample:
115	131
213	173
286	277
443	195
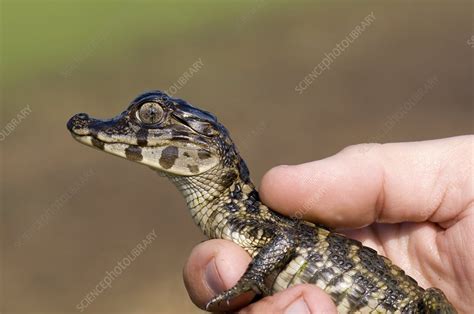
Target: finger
213	267
300	299
362	184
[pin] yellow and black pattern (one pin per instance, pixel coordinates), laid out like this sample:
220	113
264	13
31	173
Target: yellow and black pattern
195	151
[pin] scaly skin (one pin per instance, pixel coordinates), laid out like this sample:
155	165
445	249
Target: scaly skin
192	149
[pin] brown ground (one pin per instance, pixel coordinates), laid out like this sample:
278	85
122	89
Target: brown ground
248	80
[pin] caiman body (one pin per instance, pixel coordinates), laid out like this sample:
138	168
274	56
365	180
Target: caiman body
196	153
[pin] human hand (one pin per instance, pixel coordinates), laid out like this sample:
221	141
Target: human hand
412	202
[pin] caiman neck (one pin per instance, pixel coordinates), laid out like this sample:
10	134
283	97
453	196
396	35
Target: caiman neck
222	190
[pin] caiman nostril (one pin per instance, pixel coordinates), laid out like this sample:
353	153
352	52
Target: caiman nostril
82	116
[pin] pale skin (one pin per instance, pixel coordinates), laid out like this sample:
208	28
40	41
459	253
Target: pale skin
412	202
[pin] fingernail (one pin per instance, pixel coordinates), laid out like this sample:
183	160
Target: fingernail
298	307
212	277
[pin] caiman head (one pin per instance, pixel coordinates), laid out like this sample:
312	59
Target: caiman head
167	134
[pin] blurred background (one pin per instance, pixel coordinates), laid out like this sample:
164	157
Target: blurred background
70	213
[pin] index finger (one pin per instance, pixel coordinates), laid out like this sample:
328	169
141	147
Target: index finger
362	184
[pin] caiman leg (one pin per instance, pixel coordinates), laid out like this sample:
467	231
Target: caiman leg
271	257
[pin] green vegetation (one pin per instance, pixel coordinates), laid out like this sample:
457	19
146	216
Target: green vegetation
50	35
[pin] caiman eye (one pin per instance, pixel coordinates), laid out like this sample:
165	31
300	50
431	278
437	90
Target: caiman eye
150	113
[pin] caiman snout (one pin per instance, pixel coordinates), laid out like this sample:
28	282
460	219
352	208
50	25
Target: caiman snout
78	123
